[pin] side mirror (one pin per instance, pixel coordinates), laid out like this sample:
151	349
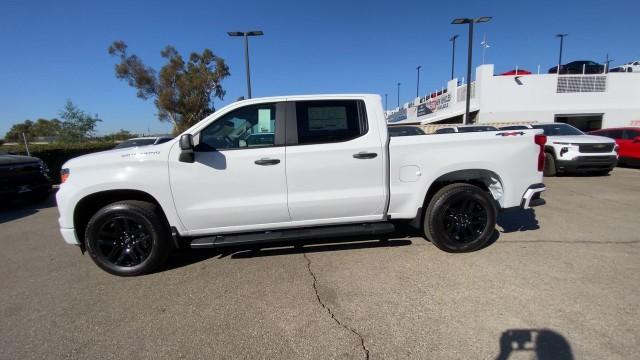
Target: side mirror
186	145
636	139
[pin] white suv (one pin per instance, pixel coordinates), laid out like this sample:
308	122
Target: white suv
570	150
633	66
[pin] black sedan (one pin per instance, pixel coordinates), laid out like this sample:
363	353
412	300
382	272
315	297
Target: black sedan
578	67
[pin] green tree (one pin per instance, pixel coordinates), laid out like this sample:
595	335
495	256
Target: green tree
16	131
183	91
44	127
121	135
77	125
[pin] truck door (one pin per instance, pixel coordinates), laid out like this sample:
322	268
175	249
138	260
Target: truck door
335	163
237	181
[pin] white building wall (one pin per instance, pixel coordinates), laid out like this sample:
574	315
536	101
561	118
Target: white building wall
534	98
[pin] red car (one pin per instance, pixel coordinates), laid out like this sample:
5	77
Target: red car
628	140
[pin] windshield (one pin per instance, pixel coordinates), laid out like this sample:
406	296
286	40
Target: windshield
134	142
558	129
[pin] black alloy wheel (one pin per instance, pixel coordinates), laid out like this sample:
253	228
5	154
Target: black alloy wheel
128	238
460	217
464	219
123	241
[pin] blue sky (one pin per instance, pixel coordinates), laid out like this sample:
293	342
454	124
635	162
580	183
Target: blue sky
57	50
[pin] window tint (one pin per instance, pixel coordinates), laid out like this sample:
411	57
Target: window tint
163	140
330	121
476	129
404	131
250	126
631	134
558	129
613	134
445	131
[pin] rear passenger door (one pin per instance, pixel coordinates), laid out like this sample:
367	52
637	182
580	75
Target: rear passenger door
334	168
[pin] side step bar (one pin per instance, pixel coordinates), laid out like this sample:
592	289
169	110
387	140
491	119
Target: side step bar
292	234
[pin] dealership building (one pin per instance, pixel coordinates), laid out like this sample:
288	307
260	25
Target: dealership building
588	102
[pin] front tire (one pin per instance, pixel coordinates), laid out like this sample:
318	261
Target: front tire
128	238
460	218
549	165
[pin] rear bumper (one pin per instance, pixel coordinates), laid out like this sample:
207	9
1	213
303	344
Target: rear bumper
532	197
588	163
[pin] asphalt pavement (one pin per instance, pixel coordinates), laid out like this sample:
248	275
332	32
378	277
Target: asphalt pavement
560	282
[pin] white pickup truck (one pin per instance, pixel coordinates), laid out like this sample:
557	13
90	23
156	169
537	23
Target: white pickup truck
294	168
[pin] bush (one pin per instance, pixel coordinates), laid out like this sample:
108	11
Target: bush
55	155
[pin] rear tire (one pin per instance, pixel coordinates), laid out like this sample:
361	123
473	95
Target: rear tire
128	238
549	165
460	218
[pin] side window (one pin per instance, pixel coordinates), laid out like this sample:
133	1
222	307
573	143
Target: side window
630	134
614	134
250	126
330	121
445	131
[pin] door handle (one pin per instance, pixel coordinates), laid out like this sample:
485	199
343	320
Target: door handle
267	162
364	155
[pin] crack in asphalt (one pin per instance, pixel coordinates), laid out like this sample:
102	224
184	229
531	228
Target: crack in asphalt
328	309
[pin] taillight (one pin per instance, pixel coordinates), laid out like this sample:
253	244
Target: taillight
64	175
540	140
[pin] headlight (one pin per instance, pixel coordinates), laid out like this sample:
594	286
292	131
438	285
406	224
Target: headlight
43	167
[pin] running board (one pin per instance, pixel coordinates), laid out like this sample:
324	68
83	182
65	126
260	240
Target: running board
292	234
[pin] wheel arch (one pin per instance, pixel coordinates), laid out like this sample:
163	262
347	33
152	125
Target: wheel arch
90	204
485	179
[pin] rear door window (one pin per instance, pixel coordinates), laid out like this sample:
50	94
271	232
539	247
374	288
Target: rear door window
328	121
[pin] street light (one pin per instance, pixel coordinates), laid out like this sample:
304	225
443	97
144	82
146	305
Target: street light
386	101
398	95
461	21
561	36
453	52
246	35
418	85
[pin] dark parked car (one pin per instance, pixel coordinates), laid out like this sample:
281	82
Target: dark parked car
405	131
577	67
23	177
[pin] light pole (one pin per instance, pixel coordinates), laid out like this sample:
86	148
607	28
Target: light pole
418	84
398	95
246	35
561	36
470	22
453	52
386	101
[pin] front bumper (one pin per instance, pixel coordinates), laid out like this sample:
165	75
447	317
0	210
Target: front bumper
588	163
532	197
69	236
